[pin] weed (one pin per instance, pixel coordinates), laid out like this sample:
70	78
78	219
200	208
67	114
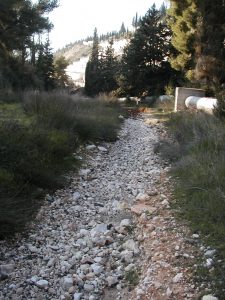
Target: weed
132	277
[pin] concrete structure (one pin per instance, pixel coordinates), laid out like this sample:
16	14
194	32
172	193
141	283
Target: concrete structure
181	95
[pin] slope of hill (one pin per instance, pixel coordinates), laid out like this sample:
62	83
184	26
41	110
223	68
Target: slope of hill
74	51
78	55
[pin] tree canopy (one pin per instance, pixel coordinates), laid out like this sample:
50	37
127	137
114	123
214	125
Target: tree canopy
24	57
145	58
198	28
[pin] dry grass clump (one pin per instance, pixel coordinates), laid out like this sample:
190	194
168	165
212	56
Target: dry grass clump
38	138
198	154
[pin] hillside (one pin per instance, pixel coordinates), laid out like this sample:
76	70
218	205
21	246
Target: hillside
78	54
74	51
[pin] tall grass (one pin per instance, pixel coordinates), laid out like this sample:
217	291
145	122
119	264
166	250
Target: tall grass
199	173
38	138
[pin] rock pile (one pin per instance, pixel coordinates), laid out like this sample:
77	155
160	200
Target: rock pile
85	240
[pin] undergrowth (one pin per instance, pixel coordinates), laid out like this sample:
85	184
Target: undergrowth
39	135
197	151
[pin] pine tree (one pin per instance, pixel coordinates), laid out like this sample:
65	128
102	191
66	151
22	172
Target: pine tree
198	36
135	21
108	69
92	72
145	58
45	67
183	20
20	20
122	30
211	51
61	78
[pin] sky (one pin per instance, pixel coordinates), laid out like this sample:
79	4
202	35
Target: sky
76	19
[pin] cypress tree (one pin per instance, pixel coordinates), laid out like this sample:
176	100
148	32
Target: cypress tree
122	30
92	72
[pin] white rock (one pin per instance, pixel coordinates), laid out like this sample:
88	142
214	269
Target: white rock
210	253
51	262
34	279
67	283
78	255
209	262
178	278
98	269
84	172
77	296
76	196
90	147
54	247
127	256
112	281
168	292
84	232
142	197
12	286
103	149
99	241
33	249
195	236
129	267
209	297
42	283
88	287
165	202
100	228
99	260
131	245
7	268
125	222
140	292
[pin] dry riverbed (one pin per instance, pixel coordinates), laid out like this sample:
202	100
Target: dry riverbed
111	235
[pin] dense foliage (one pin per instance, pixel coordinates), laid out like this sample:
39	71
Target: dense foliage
101	70
25	60
144	66
198	36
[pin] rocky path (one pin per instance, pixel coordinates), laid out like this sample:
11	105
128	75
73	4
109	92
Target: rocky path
110	230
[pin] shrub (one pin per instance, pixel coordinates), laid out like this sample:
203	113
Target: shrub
88	119
37	140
